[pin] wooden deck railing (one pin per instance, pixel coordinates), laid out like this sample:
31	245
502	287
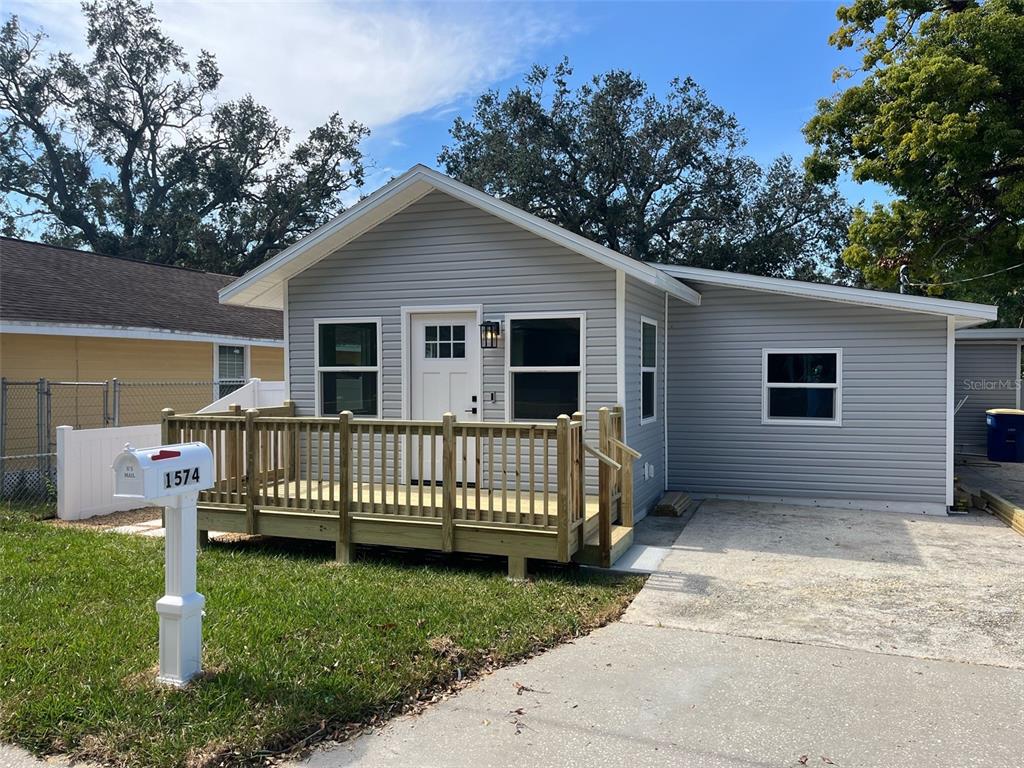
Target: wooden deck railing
494	474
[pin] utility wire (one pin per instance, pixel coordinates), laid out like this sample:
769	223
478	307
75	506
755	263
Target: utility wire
904	280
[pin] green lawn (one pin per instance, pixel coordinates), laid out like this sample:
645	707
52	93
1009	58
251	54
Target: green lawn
296	647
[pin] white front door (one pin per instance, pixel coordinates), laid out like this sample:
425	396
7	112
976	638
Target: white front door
444	365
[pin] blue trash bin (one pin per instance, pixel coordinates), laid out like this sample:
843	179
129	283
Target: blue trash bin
1005	434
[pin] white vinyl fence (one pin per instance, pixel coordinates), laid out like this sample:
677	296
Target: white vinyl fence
85	481
255	393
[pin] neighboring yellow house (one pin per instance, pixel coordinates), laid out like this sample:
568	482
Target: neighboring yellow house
76	316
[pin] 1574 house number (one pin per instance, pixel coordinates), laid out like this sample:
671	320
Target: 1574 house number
180	477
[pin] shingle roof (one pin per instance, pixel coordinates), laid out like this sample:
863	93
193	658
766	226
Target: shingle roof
44	283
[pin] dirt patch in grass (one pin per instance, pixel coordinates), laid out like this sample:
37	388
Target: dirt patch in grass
113	520
299	652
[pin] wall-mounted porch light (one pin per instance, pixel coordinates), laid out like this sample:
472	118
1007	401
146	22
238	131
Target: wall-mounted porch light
490	332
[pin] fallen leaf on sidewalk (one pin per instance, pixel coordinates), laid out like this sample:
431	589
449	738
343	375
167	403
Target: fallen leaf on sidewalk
802	760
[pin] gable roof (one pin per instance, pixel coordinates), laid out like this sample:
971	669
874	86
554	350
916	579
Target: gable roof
44	287
263	286
965	313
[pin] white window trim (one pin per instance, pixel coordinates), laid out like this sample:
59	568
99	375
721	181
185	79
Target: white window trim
838	387
649	369
318	369
581	369
216	367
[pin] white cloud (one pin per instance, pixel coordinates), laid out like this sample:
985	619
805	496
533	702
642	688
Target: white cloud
371	62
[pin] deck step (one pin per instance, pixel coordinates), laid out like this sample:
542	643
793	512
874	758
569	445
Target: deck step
672	504
622	539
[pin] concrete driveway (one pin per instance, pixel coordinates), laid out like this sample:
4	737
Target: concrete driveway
931	587
868	608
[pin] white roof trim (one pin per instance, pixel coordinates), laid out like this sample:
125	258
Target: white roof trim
965	313
991	334
261	287
128	332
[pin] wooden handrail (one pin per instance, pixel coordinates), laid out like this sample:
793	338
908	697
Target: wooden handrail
625	448
602	457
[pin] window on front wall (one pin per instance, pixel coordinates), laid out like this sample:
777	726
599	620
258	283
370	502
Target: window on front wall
348	367
648	369
230	369
545	360
802	386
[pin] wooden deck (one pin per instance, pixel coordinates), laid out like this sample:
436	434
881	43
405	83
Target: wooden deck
350	481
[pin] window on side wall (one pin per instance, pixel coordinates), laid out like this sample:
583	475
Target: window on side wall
348	367
802	386
230	369
545	357
648	370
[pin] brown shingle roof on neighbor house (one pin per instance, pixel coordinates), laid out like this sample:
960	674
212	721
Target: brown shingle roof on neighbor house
46	284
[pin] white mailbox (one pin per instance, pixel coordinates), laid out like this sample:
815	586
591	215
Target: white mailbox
167	470
174	475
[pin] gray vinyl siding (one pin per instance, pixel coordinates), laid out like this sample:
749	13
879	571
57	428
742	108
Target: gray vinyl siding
441	251
649	439
986	374
891	446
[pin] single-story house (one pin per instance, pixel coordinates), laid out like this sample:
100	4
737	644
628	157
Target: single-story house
988	375
75	316
429	296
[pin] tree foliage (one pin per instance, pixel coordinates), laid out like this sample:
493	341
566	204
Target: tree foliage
130	154
936	113
659	179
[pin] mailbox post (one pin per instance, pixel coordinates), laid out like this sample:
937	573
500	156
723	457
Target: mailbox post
173	475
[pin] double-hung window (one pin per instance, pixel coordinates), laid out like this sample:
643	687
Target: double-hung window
648	370
230	369
348	367
545	356
802	386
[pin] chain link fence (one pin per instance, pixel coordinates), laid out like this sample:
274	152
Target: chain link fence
31	411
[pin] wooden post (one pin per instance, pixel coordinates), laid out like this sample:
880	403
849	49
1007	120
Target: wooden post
626	476
231	454
604	487
343	548
562	460
581	480
165	426
448	480
289	447
516	568
250	470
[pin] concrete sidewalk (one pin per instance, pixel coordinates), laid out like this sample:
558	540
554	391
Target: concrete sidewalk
652	696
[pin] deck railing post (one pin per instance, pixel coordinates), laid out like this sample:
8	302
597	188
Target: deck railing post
448	480
289	451
580	469
563	480
626	474
250	470
343	548
232	432
604	486
165	425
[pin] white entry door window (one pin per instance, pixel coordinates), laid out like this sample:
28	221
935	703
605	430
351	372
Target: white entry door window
444	368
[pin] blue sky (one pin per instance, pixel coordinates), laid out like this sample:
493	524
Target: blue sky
406	69
767	62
